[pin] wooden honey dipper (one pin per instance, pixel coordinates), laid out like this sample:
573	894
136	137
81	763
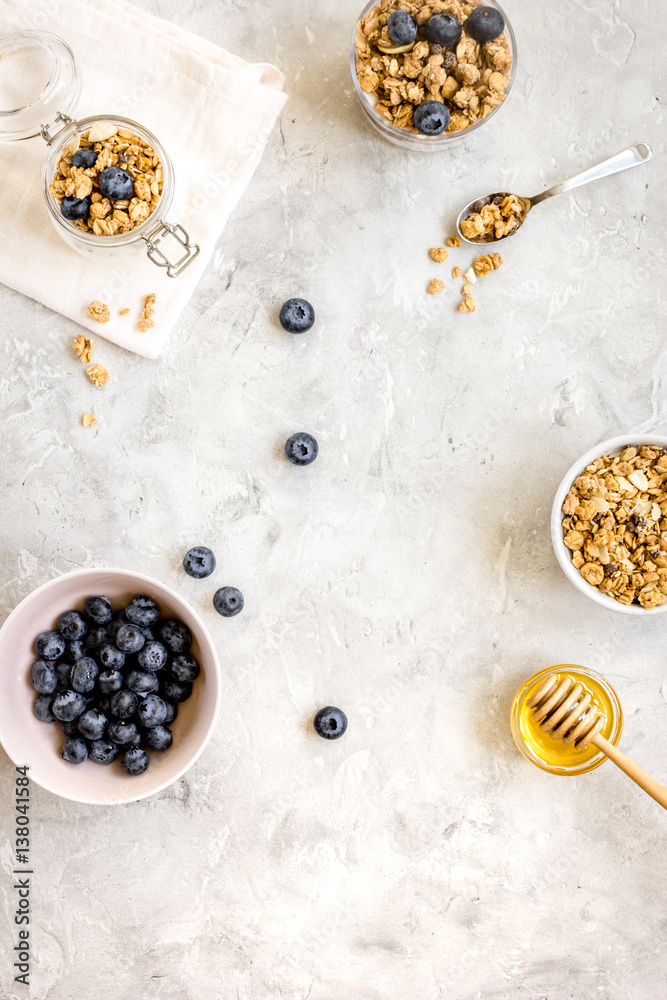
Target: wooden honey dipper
564	711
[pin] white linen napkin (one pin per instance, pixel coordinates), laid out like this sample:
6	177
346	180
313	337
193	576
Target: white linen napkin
211	111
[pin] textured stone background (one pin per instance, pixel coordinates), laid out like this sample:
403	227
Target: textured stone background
406	576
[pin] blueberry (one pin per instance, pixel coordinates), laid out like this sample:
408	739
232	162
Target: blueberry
152	711
199	562
68	705
124	733
153	656
110	681
98	609
301	448
114	626
84	674
402	27
75	208
103	702
172	712
64	676
142	611
44	708
184	668
103	751
148	633
135	761
228	601
84	158
75	650
442	29
297	316
116	184
96	638
176	636
431	118
92	724
72	625
141	681
111	657
130	639
44	677
485	24
330	723
123	704
159	738
49	646
74	750
173	691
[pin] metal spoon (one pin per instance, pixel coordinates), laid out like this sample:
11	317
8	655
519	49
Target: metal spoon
631	157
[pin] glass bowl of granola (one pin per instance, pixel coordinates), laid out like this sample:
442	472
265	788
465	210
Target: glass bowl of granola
609	524
456	82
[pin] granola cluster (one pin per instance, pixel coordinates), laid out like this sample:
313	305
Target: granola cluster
499	217
482	265
114	147
615	525
470	78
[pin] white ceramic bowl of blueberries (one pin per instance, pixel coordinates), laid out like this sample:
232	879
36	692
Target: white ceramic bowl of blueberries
110	686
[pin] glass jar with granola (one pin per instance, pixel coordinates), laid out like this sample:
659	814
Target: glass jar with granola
108	182
428	72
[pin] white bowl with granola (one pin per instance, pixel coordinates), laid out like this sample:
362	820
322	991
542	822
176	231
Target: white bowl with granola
429	72
609	524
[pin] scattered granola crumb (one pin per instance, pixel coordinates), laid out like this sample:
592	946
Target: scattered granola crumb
470	276
83	348
487	262
467	305
456	272
435	286
123	312
438	254
97	374
98	311
453	241
466	290
89	420
147	321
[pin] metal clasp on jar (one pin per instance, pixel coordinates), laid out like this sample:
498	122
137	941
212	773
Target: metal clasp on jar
44	129
157	235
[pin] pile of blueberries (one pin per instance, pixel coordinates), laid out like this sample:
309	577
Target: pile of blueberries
114	680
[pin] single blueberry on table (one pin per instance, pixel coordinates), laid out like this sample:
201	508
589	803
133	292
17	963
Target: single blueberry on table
111	657
297	316
142	610
184	668
485	24
228	601
135	761
75	650
402	27
330	723
175	692
431	118
171	712
84	158
44	708
103	751
44	677
96	638
141	681
72	625
176	636
75	208
70	728
84	675
74	750
92	724
153	656
124	733
49	646
130	638
159	738
199	562
152	711
98	610
301	448
110	681
443	29
116	184
68	705
123	704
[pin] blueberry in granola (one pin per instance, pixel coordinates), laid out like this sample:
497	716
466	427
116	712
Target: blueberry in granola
116	184
297	316
431	118
75	208
443	29
402	27
485	24
84	158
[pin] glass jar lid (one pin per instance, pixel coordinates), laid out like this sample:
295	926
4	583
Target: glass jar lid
38	79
